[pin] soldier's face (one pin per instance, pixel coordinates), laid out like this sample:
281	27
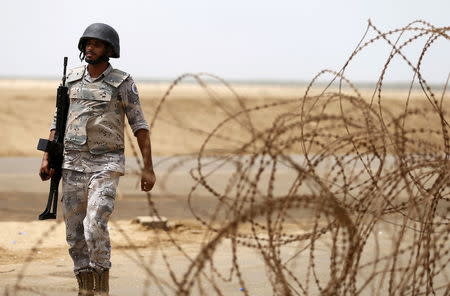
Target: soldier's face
95	49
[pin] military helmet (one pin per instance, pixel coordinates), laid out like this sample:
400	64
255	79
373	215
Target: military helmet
102	32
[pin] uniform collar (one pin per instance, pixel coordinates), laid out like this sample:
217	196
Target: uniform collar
101	76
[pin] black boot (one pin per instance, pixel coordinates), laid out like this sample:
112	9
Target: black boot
101	282
85	283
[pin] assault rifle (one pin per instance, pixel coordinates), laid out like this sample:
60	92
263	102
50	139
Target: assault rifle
55	147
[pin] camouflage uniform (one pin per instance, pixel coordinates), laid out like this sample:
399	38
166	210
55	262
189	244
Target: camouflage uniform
94	159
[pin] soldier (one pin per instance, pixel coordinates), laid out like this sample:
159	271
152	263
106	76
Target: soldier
100	97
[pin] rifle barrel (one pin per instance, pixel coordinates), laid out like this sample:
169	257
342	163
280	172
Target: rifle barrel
64	72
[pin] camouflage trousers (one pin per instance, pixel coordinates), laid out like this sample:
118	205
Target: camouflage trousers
87	202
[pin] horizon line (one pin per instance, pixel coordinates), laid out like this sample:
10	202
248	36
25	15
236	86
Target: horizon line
251	81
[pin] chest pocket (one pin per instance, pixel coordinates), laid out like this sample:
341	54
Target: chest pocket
93	100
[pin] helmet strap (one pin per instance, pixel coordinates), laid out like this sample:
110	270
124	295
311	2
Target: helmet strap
81	56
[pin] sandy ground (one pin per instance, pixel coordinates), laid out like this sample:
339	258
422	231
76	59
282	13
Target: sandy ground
138	266
34	258
33	254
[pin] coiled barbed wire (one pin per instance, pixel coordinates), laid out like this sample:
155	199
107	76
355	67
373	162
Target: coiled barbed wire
317	191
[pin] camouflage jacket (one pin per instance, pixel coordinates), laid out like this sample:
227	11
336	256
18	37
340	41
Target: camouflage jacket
95	124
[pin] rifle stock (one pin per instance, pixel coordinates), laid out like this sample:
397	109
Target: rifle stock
55	147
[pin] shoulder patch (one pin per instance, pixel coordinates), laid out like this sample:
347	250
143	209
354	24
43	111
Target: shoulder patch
134	88
75	74
116	77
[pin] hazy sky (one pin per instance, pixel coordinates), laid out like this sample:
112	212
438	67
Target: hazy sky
235	39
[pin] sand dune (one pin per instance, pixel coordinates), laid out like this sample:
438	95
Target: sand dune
185	120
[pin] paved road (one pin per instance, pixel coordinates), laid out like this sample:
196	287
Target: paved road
23	195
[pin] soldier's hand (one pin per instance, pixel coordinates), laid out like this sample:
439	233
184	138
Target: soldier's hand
148	179
45	172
